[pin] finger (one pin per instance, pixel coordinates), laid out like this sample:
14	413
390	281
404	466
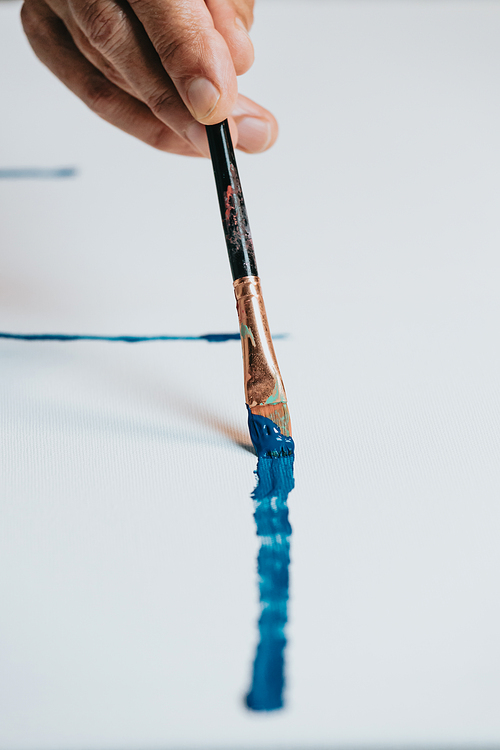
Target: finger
54	46
233	20
257	127
60	8
117	35
193	53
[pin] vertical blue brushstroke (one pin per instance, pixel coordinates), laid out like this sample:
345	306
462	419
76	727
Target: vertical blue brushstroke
274	483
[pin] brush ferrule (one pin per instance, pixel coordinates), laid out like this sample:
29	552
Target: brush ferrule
264	389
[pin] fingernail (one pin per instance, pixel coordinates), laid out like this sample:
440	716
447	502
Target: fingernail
254	134
241	25
203	97
197	136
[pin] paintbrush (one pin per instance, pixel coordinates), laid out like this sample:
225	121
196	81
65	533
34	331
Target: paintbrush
268	416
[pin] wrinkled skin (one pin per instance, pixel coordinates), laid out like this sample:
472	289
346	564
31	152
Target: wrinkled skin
157	69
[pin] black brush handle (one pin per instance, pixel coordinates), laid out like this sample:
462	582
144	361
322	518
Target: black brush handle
232	206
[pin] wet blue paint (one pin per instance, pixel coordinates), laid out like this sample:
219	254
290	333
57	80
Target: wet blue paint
267	438
212	338
38	173
274	483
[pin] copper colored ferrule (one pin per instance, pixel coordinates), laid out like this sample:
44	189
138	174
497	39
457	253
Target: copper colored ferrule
264	389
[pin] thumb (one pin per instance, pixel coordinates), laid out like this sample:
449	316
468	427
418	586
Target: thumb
193	53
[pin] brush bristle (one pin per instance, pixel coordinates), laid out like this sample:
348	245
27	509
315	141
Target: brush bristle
277	413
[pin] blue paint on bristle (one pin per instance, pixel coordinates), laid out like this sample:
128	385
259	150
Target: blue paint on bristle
274	483
267	438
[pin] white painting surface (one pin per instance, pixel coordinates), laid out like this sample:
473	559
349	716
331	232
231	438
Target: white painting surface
128	586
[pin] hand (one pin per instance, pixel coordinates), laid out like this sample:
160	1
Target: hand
157	69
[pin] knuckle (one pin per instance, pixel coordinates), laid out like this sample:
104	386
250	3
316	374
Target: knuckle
179	54
161	101
35	26
101	97
104	27
28	19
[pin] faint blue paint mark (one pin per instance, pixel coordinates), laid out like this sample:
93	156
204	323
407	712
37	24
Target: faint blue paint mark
38	173
274	483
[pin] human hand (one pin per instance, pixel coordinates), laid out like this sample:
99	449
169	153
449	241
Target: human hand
157	69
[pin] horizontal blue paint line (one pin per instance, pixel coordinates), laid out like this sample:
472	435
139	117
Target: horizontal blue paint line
212	338
37	173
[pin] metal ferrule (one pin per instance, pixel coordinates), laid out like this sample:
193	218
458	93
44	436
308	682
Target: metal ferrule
263	383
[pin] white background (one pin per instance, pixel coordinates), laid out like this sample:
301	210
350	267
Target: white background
128	598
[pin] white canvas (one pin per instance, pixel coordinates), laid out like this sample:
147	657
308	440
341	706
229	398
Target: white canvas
128	599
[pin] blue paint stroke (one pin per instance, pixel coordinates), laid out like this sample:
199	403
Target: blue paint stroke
37	173
212	338
274	483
